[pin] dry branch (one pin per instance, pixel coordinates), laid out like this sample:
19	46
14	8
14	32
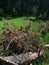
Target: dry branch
2	59
9	43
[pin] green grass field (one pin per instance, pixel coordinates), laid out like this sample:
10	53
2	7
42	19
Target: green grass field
35	27
20	22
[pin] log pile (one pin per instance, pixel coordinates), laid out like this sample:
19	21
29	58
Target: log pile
20	45
19	41
19	59
22	58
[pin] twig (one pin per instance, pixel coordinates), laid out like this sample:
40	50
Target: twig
9	43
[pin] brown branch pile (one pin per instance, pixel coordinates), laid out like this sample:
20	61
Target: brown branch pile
45	28
19	41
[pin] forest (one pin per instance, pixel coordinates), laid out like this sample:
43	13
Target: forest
24	8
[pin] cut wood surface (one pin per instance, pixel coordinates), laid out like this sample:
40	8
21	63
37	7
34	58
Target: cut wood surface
46	46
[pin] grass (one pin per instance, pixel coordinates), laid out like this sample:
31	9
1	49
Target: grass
20	22
35	27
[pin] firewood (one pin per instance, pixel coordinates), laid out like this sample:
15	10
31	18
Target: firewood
46	46
3	60
21	58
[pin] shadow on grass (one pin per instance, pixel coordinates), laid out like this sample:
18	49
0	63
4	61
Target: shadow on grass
10	17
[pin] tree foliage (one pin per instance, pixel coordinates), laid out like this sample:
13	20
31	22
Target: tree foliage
24	7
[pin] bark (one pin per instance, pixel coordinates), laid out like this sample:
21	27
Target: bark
21	58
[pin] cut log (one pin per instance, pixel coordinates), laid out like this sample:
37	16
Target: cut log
20	59
9	62
46	46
